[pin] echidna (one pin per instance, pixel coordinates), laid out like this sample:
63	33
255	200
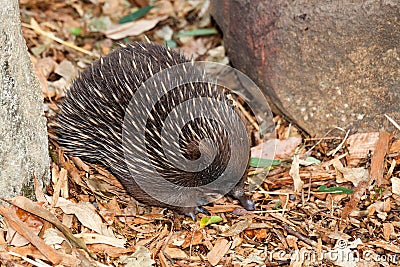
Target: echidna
103	110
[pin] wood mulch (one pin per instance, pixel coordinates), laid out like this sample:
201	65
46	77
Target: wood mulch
326	201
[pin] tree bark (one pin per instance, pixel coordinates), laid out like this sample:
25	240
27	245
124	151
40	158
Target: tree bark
23	133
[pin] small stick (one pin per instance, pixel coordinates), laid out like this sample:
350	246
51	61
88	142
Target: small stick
248	116
333	152
322	138
393	122
35	26
301	237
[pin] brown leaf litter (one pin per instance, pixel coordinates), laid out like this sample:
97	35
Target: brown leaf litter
304	215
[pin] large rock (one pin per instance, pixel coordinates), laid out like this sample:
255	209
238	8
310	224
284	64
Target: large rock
23	134
322	63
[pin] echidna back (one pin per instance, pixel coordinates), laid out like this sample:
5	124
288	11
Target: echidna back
93	111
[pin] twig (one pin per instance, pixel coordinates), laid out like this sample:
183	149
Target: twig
391	169
301	237
257	171
333	152
269	211
376	174
12	219
35	26
248	116
393	122
34	263
322	138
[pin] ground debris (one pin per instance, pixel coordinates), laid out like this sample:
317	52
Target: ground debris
86	217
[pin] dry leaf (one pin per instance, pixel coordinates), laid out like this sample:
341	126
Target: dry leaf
379	208
339	236
80	164
113	7
39	194
92	238
237	241
86	214
295	174
53	238
196	48
395	185
141	258
31	221
395	147
219	250
61	185
388	230
193	239
175	253
67	220
387	205
27	204
14	222
43	67
109	209
276	149
353	175
163	7
292	241
390	247
66	70
238	227
133	28
28	251
261	234
264	150
111	251
58	88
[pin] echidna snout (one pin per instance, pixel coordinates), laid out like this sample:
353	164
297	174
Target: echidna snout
164	130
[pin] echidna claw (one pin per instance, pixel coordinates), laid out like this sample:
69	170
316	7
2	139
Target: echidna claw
201	209
192	212
191	215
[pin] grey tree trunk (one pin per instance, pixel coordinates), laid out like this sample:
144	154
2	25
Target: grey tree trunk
23	134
